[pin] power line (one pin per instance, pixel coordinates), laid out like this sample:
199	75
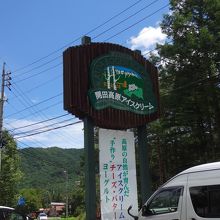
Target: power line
59	102
46	70
40	128
36	142
40	132
192	84
39	103
36	112
89	32
92	38
40	122
37	74
49	98
24	102
40	110
179	88
158	47
139	21
37	67
147	6
39	85
41	144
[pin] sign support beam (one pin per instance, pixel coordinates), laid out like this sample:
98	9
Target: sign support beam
144	164
90	182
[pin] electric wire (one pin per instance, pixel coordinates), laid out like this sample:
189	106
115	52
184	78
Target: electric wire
43	127
40	144
39	73
87	33
37	67
61	63
40	122
158	47
51	129
62	93
26	100
147	6
38	86
37	143
100	35
31	114
23	101
123	30
134	24
31	106
179	88
60	102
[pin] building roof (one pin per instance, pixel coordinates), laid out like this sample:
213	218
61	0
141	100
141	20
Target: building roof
57	203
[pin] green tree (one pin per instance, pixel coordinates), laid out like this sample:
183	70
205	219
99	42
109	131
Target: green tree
10	173
33	200
77	200
188	132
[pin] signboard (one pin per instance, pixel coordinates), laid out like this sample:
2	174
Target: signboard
106	81
118	187
21	201
118	81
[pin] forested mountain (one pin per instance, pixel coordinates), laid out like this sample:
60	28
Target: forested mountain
50	168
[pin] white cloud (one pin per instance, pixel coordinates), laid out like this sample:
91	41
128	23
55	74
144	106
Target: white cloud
147	38
66	137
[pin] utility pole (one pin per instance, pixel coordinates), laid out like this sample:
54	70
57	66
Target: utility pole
67	205
5	82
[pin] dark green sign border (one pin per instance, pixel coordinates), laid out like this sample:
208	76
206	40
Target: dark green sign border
102	97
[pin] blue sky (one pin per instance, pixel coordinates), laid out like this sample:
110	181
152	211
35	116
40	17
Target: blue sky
33	36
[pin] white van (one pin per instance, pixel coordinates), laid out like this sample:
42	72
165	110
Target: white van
193	194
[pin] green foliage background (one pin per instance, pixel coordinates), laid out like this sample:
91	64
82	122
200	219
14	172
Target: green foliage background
188	132
10	173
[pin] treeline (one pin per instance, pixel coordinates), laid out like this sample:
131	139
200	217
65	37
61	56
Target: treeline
188	132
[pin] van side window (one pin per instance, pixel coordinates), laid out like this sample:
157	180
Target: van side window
206	200
166	201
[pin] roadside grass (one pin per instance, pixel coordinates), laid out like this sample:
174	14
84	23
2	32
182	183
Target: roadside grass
81	217
59	218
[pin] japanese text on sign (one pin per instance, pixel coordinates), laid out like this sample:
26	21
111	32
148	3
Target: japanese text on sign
118	187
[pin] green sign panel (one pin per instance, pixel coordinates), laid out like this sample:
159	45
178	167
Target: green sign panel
118	81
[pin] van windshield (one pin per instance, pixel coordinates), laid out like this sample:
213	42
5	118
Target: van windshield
166	201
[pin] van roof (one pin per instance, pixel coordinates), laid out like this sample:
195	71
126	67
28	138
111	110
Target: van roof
203	167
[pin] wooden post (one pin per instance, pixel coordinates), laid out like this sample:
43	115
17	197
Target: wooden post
90	182
145	176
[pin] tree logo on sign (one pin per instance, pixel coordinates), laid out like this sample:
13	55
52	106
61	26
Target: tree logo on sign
120	82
